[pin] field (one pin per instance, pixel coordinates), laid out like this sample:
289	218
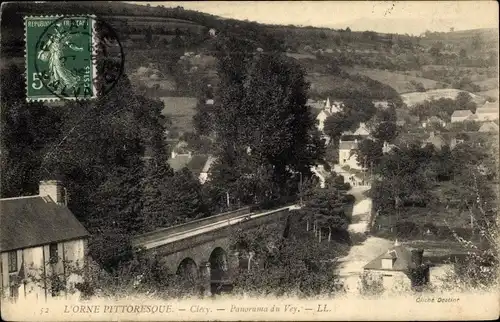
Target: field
400	82
414	98
488	84
493	93
181	111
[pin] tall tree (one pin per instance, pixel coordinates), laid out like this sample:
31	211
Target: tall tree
264	130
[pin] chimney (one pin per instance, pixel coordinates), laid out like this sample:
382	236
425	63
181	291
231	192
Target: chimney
54	190
417	257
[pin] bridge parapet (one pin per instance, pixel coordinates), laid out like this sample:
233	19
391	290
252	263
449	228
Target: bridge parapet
221	228
198	223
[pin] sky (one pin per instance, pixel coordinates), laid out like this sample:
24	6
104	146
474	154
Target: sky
412	17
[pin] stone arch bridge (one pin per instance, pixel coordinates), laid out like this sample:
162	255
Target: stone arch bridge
201	248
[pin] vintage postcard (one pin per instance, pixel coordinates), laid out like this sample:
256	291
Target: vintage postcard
253	161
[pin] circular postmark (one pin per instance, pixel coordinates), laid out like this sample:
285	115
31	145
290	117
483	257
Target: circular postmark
78	57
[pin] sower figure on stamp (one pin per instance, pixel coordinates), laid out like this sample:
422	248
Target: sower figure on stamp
52	53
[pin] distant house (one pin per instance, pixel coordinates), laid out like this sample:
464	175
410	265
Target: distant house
472	117
440	140
489	127
198	164
209	102
347	154
433	120
387	147
398	265
320	172
381	104
488	112
361	131
327	110
40	239
460	115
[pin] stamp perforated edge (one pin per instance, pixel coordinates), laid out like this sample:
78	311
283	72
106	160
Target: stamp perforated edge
94	54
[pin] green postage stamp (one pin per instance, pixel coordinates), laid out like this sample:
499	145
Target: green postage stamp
60	58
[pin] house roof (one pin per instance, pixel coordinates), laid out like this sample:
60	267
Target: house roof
472	117
36	220
208	164
434	119
180	161
197	163
487	110
437	140
492	105
461	113
489	127
348	145
401	256
361	130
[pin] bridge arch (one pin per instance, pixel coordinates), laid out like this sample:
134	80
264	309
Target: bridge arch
219	268
188	270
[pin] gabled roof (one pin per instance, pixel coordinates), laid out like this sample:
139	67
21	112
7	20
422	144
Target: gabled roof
461	113
401	256
436	140
208	164
489	127
472	117
197	163
34	221
348	145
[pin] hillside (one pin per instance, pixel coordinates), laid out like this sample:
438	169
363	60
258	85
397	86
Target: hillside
339	63
411	99
400	82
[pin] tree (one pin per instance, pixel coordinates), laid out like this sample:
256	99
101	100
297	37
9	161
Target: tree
385	131
463	53
26	129
324	208
464	101
284	265
369	152
261	107
336	124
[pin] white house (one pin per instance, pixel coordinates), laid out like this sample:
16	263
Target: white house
41	240
198	164
488	112
328	110
347	154
205	172
433	120
394	265
460	115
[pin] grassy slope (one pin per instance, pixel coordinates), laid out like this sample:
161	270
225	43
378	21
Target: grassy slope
418	97
398	81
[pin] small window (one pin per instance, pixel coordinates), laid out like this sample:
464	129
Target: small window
53	255
13	262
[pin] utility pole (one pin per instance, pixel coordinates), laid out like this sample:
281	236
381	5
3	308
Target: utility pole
227	198
300	188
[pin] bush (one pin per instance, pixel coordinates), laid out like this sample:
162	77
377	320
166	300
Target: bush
357	238
370	284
